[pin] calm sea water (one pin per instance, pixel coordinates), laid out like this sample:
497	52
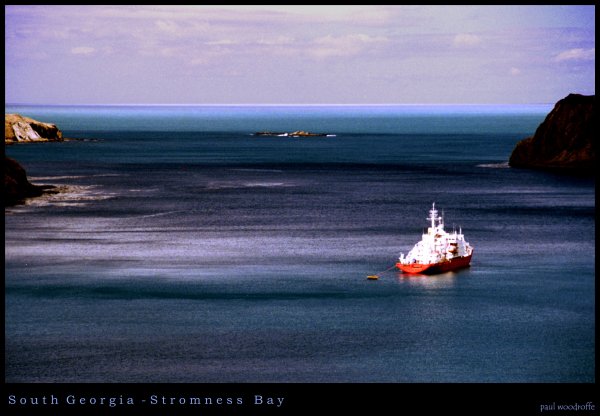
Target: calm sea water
184	249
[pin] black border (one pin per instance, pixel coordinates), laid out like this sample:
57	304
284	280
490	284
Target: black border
318	399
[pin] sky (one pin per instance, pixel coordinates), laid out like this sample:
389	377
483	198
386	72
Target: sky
501	54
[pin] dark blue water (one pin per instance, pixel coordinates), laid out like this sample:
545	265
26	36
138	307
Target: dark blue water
184	249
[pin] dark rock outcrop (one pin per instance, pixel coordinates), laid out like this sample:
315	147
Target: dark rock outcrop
565	139
298	133
16	185
19	129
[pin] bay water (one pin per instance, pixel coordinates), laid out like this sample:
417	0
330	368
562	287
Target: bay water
184	249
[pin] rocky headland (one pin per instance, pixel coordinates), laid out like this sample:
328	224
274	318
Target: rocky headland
20	129
564	142
17	187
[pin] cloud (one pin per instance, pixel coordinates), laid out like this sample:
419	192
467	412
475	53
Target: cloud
346	45
346	14
178	27
277	40
82	50
271	42
168	27
466	40
514	71
222	42
577	54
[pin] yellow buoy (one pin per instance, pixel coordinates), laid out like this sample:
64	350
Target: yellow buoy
373	277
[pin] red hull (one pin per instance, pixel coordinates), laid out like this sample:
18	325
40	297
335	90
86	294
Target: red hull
446	266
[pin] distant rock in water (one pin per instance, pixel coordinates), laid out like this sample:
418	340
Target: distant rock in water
564	141
299	133
19	129
16	185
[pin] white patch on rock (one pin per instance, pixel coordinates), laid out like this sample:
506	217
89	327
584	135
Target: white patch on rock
25	133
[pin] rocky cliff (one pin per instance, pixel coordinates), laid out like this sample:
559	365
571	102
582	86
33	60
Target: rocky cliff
19	129
564	141
24	129
16	186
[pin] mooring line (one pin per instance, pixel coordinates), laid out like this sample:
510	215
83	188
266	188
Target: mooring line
376	276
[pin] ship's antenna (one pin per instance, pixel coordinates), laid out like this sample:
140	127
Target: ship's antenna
433	213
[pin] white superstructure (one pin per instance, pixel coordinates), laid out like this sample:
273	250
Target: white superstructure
437	245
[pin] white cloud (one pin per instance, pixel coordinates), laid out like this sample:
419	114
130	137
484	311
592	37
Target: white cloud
82	50
168	27
514	71
466	40
222	42
348	45
347	14
177	27
278	40
577	54
420	42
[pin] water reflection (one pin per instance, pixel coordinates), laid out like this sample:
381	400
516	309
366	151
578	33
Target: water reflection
429	282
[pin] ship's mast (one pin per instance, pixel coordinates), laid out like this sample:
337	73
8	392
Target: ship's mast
432	216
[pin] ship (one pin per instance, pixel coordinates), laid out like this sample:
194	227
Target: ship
438	251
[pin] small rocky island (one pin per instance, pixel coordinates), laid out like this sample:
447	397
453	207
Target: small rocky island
299	133
19	129
564	142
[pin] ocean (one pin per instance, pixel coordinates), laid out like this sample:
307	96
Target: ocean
184	249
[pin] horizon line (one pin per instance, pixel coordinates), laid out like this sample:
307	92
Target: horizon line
270	105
